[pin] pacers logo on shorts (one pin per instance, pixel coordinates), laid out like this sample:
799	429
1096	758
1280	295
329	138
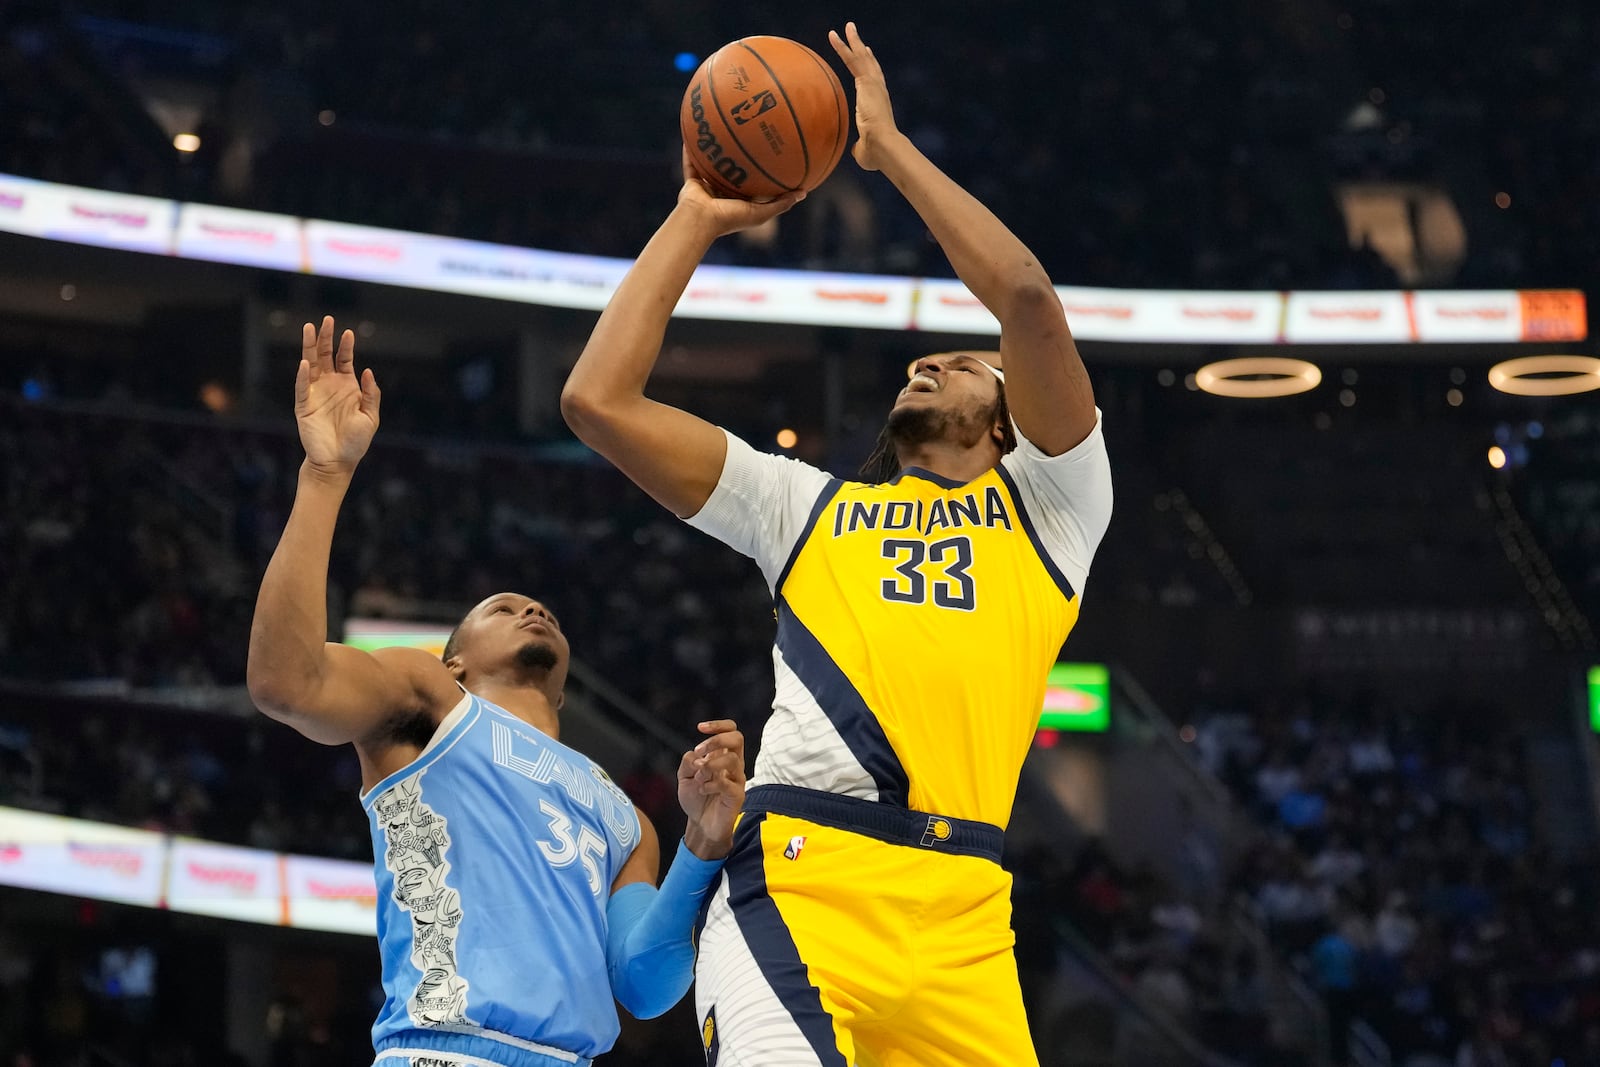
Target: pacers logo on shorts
938	831
708	1036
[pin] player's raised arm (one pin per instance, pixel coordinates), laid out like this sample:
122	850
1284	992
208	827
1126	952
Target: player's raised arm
1046	384
672	455
329	692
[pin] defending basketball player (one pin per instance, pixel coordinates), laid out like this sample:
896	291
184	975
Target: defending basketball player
863	917
516	883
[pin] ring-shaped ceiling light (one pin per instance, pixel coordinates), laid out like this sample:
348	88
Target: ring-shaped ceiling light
1578	374
1258	376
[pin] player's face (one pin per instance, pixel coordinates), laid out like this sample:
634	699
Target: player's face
511	630
950	395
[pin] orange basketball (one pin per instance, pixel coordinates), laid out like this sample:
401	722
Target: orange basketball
764	116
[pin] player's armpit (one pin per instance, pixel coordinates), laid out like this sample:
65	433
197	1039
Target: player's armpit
355	693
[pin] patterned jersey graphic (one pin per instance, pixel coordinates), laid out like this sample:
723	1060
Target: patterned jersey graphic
417	840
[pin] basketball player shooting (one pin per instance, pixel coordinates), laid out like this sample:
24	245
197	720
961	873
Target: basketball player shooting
516	883
863	916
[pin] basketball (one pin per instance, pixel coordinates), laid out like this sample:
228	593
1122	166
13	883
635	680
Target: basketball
764	116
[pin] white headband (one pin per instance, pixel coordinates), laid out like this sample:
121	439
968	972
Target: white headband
911	371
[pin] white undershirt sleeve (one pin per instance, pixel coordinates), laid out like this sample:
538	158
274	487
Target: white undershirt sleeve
761	505
1067	498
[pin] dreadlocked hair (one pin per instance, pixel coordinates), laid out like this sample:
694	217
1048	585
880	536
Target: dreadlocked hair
884	462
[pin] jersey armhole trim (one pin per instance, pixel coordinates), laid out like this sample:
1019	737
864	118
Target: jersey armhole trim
450	730
824	498
1033	535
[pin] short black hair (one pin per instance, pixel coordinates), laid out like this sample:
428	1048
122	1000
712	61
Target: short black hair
450	646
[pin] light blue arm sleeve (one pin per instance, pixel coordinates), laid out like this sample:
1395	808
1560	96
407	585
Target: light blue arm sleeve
649	951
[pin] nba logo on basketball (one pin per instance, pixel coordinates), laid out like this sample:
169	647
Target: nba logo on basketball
796	843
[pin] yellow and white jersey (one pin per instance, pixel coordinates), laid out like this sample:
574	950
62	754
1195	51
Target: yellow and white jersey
917	619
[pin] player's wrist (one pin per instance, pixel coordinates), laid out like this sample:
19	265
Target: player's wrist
705	846
328	475
699	221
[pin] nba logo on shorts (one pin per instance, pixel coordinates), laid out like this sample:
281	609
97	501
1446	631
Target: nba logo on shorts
796	843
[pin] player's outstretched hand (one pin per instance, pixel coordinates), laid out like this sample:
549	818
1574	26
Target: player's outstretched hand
711	788
874	116
336	411
728	214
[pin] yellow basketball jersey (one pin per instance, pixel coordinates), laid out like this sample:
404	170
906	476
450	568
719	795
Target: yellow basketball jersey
923	615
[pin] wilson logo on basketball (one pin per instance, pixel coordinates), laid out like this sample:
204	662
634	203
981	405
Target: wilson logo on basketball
709	146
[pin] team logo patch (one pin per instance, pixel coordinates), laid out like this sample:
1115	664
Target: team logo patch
938	830
708	1037
796	843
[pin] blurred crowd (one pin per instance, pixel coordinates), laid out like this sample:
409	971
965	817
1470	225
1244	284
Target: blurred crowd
1403	872
181	523
1157	143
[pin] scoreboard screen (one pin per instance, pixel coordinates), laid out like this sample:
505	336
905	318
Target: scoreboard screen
370	634
1077	696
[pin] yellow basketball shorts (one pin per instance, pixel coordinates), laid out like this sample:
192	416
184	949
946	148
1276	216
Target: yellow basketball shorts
845	933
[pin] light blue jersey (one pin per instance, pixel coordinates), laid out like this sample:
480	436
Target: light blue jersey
495	851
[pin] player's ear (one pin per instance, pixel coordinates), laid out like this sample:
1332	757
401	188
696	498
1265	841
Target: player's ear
457	669
997	433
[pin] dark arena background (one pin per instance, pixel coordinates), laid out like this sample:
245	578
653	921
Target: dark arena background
1316	782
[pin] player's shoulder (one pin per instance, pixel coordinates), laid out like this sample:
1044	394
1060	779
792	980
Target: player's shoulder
422	673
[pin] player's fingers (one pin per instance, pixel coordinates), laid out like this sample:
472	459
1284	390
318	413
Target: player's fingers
344	360
717	726
325	344
302	383
688	765
839	46
733	752
371	395
732	741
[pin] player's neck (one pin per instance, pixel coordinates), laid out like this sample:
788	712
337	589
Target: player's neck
948	460
527	702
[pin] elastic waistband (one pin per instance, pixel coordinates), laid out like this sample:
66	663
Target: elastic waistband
897	826
469	1047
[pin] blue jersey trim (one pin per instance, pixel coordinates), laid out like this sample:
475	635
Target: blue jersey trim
844	706
824	498
1033	535
928	476
441	743
473	1047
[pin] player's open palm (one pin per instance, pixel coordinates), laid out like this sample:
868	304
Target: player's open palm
874	115
711	785
337	411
